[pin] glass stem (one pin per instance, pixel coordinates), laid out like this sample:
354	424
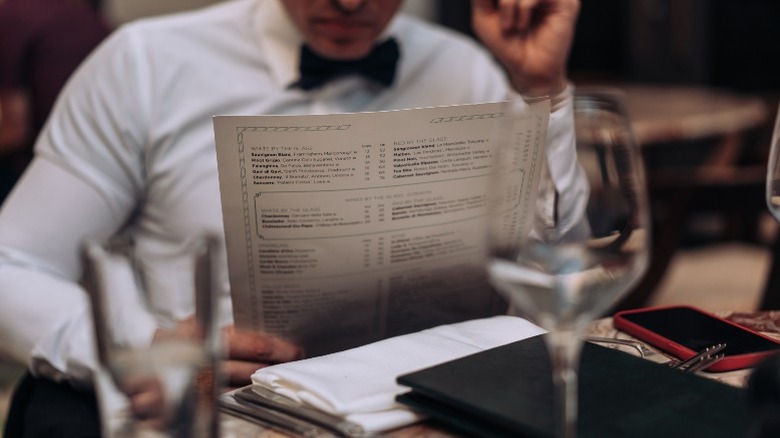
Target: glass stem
565	347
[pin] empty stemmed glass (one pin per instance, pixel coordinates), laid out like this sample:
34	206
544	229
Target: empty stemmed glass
773	172
581	250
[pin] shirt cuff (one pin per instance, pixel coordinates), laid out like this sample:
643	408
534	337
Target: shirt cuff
557	101
562	99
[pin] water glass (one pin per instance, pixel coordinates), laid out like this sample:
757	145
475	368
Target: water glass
156	337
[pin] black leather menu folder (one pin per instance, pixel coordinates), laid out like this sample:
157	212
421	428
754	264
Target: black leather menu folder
507	392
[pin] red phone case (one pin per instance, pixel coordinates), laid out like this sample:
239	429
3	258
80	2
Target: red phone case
728	363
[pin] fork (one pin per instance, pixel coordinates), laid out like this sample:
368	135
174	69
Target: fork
700	361
643	350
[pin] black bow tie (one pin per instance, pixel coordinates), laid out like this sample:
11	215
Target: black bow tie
379	66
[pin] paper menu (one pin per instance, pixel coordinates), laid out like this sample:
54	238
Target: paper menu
347	228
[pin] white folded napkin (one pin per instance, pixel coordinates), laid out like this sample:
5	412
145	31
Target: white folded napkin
359	384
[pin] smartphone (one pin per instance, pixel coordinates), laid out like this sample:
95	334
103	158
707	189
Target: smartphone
682	331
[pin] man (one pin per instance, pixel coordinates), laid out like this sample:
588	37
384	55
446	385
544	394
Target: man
130	143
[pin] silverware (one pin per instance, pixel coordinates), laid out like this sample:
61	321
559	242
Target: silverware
271	419
701	360
643	350
265	399
706	363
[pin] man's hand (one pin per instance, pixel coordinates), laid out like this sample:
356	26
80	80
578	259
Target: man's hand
249	351
146	395
246	351
531	38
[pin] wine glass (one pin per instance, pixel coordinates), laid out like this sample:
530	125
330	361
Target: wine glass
564	258
773	172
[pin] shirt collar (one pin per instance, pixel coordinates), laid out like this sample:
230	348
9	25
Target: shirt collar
279	40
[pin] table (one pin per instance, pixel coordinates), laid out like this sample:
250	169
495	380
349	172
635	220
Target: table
765	322
693	142
663	113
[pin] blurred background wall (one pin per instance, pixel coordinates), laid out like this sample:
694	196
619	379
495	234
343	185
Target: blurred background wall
120	11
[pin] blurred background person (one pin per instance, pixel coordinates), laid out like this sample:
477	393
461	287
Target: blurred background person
41	44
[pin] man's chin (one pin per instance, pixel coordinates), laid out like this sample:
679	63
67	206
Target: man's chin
343	50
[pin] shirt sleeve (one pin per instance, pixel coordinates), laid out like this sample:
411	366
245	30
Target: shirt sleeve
563	188
86	180
44	313
569	191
